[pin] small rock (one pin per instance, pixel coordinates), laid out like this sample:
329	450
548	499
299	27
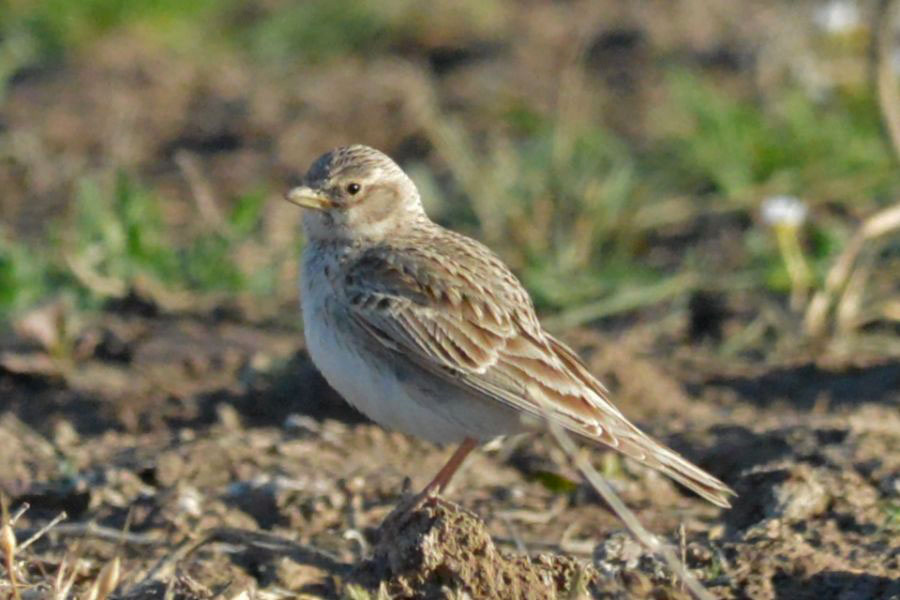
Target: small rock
801	497
169	468
620	553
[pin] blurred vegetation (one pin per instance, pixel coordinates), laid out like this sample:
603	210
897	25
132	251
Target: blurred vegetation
121	236
42	30
597	222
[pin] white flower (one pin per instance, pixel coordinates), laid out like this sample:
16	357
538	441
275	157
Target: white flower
784	210
838	16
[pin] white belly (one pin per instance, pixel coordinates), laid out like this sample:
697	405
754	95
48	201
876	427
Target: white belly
411	405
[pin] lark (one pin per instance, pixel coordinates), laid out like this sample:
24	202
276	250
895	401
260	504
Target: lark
426	331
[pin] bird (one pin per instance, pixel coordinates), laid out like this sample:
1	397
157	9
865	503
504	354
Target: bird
426	331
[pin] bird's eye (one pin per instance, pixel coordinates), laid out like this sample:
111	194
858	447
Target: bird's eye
353	188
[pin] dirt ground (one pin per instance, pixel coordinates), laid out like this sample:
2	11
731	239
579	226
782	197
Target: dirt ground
237	468
193	441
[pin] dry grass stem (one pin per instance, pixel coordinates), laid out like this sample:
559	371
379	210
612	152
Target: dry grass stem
107	581
839	277
8	547
102	285
631	522
19	512
43	530
62	584
92	530
201	191
886	79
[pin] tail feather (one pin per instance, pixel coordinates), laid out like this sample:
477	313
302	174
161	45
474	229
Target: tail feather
614	430
643	449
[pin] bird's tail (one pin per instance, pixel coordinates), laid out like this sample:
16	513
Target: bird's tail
645	450
611	428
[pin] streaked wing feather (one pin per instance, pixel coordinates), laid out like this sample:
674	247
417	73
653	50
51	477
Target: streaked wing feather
463	316
451	326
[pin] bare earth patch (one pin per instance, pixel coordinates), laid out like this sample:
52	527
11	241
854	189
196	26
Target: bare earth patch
241	470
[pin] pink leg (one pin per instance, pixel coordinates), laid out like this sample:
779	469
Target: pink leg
404	511
446	473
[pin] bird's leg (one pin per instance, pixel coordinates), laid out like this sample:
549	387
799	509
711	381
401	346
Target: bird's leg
443	477
401	515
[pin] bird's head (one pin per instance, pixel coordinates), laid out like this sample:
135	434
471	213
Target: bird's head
354	193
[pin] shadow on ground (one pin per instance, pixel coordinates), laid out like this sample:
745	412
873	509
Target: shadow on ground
804	386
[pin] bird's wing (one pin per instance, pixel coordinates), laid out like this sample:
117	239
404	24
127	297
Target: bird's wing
464	317
468	321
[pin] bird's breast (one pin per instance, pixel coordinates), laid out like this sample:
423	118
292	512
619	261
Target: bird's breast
384	385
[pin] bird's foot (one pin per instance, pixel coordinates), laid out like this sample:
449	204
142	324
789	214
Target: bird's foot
409	505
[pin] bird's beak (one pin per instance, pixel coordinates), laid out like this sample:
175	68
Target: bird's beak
308	197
